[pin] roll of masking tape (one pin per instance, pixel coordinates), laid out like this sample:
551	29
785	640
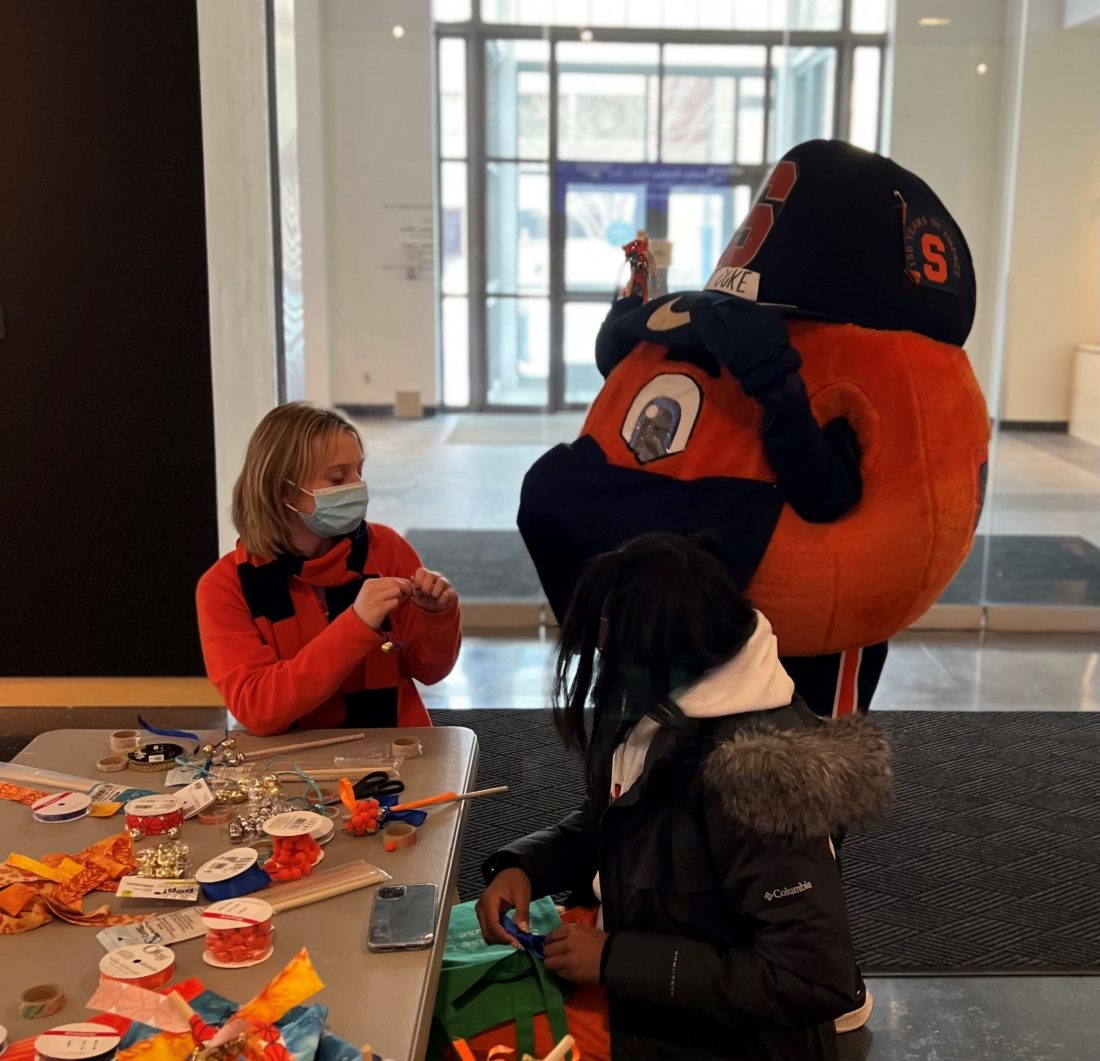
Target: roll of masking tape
400	834
406	748
42	1001
125	740
111	764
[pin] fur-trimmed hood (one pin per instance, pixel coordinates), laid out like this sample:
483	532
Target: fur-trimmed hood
805	781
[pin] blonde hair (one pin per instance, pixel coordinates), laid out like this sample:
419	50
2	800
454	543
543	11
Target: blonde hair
283	447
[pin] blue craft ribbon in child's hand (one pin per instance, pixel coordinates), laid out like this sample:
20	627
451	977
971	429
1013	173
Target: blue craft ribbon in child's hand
529	941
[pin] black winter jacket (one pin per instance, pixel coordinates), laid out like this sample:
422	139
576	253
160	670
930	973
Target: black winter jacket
729	934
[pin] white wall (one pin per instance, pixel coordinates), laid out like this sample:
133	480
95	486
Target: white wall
1082	13
1054	292
378	150
232	66
955	128
946	125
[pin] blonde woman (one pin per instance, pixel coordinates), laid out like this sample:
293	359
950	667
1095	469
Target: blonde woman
318	618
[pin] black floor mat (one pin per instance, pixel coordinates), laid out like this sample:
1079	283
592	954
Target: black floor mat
1055	570
989	861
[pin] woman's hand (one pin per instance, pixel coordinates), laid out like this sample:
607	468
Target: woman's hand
432	592
575	952
378	597
510	889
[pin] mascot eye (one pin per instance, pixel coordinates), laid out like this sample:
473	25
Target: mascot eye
661	417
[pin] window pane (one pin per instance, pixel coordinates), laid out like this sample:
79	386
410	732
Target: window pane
519	350
869	16
518	223
750	120
668	14
453	217
814	14
451	10
700	224
599	219
455	344
582	322
604	110
803	84
701	102
863	130
452	98
518	98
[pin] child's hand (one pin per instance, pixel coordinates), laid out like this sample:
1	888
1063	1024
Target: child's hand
510	889
378	597
432	592
574	952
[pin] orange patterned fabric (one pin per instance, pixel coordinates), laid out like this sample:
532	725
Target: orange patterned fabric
15	897
101	866
19	794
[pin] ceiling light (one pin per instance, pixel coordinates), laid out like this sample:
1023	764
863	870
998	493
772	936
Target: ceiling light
933	21
586	35
398	32
982	69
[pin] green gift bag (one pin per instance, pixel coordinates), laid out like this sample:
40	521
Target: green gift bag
483	985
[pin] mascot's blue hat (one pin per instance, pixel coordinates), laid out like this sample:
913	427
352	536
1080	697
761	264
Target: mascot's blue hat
842	234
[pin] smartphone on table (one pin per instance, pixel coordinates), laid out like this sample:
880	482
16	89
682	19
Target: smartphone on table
402	918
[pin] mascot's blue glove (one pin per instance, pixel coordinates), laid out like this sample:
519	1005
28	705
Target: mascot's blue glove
818	466
748	340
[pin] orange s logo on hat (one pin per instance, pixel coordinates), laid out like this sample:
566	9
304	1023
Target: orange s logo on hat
835	444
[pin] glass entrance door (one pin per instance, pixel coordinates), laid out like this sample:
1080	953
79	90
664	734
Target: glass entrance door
600	206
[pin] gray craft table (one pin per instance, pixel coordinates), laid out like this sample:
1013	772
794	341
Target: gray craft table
382	999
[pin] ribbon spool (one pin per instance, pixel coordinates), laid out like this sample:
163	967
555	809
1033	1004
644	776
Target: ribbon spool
146	966
112	764
125	740
215	816
294	851
42	1001
154	816
238	933
61	807
155	758
400	834
406	748
232	874
69	1042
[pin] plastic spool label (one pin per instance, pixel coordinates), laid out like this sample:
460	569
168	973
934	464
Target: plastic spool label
237	913
153	806
136	963
323	833
77	1041
228	865
294	823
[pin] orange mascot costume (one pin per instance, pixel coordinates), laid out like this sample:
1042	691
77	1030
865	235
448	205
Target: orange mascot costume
812	408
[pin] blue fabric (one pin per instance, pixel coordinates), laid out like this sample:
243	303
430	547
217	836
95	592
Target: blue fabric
531	942
181	733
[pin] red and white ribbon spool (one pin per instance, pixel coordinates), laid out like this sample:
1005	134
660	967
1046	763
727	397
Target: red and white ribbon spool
148	966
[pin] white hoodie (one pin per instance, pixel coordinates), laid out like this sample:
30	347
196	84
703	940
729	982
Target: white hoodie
753	680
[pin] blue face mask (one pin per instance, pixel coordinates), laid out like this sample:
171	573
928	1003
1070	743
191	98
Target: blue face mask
340	509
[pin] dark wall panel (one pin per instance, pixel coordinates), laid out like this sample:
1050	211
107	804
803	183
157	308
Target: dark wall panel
106	425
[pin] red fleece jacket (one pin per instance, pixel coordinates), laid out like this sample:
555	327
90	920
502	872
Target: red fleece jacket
285	649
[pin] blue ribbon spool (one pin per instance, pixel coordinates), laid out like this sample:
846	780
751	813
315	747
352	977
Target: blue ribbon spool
220	878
